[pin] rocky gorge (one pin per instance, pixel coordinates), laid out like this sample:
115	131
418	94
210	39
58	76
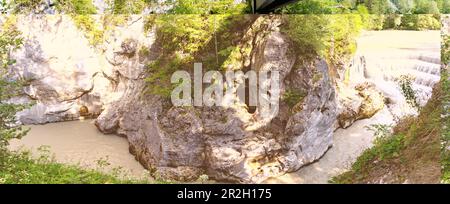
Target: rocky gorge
68	78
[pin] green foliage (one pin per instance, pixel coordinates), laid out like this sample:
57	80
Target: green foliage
372	6
22	168
24	6
127	6
81	7
386	146
184	36
413	145
160	72
445	50
91	29
208	7
331	36
405	83
445	153
184	33
419	22
389	145
310	32
313	7
10	40
293	96
228	6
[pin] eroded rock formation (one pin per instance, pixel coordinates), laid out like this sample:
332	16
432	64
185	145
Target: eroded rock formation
229	143
181	143
65	73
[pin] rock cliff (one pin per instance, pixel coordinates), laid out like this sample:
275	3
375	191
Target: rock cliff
69	78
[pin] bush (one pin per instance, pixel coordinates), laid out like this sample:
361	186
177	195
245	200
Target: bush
23	168
405	83
420	22
330	36
10	39
209	7
91	30
392	21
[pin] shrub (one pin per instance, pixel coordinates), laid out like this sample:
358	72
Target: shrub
209	7
405	83
91	29
420	22
331	36
10	40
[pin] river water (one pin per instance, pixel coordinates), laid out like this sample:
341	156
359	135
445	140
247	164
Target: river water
80	143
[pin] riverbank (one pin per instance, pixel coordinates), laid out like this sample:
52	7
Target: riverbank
411	154
387	55
79	143
23	167
348	144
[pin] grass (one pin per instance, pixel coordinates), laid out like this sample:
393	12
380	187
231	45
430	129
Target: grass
20	167
445	154
412	153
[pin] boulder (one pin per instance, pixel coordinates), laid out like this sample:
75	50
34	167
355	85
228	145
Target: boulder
361	102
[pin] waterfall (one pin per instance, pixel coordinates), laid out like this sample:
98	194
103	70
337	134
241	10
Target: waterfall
384	60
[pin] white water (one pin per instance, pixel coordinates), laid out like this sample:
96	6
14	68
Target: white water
383	56
80	143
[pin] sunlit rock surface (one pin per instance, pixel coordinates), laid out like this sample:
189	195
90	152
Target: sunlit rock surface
65	72
230	143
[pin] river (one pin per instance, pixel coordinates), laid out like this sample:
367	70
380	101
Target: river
80	143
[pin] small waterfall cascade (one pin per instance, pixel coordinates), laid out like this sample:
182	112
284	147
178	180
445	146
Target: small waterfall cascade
383	66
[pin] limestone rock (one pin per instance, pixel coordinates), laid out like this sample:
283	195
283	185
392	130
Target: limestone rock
230	143
62	81
362	102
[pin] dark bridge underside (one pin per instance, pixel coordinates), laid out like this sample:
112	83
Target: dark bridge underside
267	6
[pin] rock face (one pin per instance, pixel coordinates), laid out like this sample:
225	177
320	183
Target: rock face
181	143
229	143
66	81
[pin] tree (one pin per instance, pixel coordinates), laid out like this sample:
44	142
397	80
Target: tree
9	40
405	6
426	7
317	7
445	8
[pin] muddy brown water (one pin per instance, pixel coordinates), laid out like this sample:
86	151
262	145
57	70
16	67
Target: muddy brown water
80	143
